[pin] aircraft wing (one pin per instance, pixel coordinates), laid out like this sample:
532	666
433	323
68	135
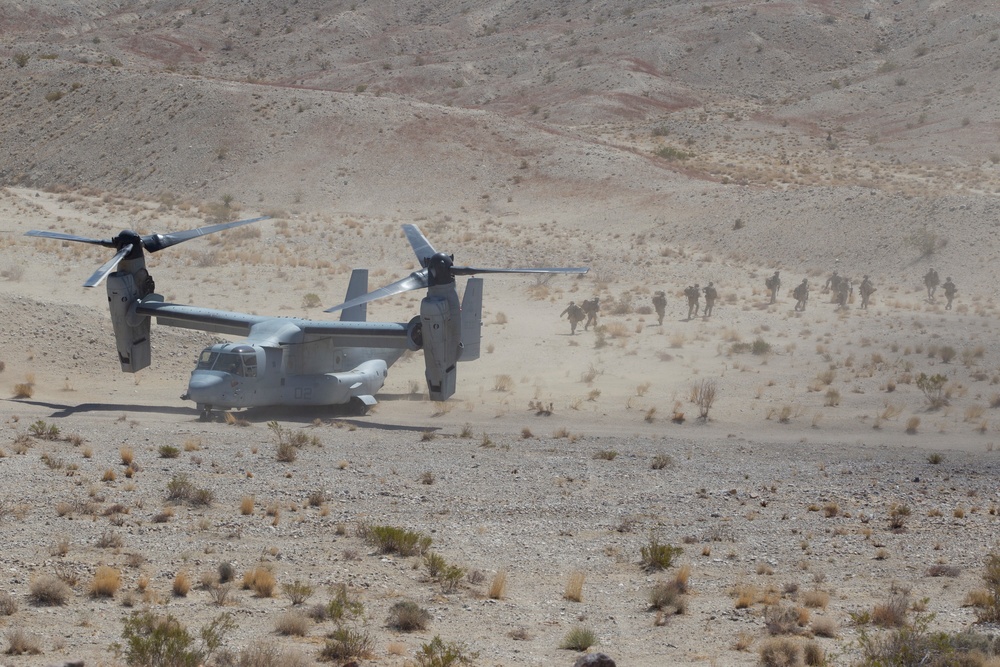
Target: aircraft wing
202	319
268	330
379	335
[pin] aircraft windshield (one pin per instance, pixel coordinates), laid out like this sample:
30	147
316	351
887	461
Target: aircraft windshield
241	361
207	360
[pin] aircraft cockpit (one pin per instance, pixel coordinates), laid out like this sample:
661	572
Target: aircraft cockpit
232	359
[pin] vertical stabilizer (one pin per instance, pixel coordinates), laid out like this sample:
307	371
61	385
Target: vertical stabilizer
357	287
472	319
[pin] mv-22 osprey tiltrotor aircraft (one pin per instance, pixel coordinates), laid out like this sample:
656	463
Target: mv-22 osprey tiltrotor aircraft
292	361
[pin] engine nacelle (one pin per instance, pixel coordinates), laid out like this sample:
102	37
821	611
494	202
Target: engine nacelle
131	332
441	333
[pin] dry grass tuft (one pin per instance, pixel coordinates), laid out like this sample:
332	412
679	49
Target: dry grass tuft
20	642
824	626
574	586
106	582
892	613
498	587
246	505
182	584
48	589
816	599
261	581
292	624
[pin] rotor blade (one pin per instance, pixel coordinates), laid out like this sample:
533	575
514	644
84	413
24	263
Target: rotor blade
108	267
421	246
69	237
471	270
155	242
416	280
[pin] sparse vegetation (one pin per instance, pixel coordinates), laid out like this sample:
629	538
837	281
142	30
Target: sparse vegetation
658	556
162	641
438	653
578	639
106	582
390	539
408	616
346	642
703	395
48	589
574	586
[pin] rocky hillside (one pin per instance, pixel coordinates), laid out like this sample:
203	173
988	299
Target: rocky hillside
488	108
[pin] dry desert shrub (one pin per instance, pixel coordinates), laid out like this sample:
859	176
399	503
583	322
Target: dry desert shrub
662	461
744	640
106	582
990	612
824	626
578	639
182	584
781	652
260	580
668	596
293	624
892	613
8	605
48	589
20	642
574	586
782	620
703	395
246	505
503	383
263	653
297	592
109	539
498	586
899	514
345	642
408	616
816	599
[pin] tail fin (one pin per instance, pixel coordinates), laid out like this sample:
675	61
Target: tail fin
357	287
472	319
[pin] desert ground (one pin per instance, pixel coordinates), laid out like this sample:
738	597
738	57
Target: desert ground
660	146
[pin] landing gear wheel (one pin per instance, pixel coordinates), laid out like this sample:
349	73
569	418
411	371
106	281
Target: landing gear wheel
357	407
206	413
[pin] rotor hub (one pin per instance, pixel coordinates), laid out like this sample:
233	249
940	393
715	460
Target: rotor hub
439	269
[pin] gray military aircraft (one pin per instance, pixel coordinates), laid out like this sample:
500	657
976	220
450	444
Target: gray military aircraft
292	361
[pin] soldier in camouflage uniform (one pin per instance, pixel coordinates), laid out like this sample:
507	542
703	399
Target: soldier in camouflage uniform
866	289
591	307
576	316
949	291
693	294
801	294
773	284
711	294
931	282
660	304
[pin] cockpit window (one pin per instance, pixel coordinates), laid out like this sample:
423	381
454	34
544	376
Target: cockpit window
207	360
242	361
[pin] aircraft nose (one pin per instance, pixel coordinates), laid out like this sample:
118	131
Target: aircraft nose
204	384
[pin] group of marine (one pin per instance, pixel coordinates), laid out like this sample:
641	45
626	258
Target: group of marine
841	287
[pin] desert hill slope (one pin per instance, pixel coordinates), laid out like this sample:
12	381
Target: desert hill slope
506	108
847	458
